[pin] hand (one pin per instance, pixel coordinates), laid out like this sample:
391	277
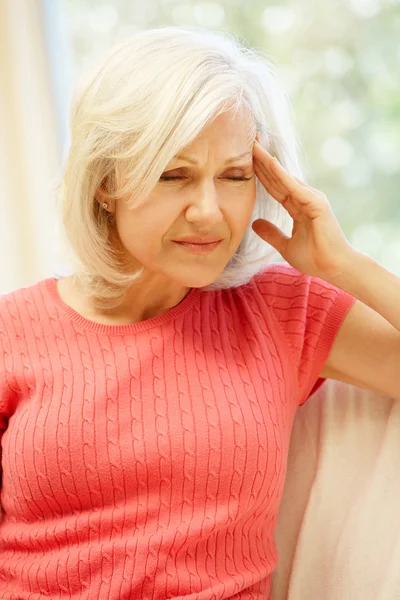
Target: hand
317	246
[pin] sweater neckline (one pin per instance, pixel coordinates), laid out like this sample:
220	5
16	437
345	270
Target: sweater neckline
73	315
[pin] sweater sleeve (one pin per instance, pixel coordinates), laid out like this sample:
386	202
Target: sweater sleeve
8	393
310	312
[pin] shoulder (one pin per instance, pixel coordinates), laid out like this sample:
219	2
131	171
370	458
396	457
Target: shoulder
272	288
280	276
279	284
22	293
19	306
22	320
309	311
284	288
304	306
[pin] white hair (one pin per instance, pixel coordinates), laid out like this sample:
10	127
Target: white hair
148	98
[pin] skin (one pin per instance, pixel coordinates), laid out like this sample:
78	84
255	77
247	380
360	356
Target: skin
205	202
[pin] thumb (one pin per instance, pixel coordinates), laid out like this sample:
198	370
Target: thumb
271	234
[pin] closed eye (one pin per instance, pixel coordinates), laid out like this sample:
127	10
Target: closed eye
176	178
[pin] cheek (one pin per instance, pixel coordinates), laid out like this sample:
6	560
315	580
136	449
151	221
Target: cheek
244	206
253	194
142	229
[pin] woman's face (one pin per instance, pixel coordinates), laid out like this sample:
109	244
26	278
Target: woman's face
199	194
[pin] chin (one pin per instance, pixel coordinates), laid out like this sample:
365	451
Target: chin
196	278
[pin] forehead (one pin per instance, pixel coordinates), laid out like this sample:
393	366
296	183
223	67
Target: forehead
227	135
230	126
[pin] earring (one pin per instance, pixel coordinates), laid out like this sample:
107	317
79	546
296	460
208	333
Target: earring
105	205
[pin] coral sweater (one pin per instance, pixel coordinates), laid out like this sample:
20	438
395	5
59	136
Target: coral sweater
147	461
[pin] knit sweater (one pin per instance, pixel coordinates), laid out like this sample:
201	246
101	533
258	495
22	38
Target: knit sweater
147	461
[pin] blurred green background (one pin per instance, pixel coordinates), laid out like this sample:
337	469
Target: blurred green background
339	61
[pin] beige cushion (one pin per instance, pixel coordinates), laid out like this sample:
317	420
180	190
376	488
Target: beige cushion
338	532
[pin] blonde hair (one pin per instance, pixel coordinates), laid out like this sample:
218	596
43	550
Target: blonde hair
148	98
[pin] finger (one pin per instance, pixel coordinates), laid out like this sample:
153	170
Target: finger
269	184
285	199
268	168
278	182
265	166
268	176
271	234
294	187
295	195
285	178
304	184
271	164
300	181
262	155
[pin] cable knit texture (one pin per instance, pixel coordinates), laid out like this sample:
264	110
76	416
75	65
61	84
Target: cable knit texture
147	461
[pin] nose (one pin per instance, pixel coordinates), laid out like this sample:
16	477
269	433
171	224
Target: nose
204	208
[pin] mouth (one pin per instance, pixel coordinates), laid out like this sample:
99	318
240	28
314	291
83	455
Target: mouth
199	248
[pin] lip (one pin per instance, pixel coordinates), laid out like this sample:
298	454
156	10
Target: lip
196	248
197	240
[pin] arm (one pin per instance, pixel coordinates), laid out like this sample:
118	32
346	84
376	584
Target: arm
366	350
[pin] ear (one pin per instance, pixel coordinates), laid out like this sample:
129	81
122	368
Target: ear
102	194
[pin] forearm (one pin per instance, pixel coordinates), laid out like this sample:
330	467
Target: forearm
372	284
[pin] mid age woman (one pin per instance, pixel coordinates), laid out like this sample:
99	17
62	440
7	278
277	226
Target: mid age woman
147	399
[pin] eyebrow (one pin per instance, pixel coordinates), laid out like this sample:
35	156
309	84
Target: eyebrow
227	162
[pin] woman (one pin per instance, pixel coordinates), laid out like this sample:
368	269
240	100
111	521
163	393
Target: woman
147	399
